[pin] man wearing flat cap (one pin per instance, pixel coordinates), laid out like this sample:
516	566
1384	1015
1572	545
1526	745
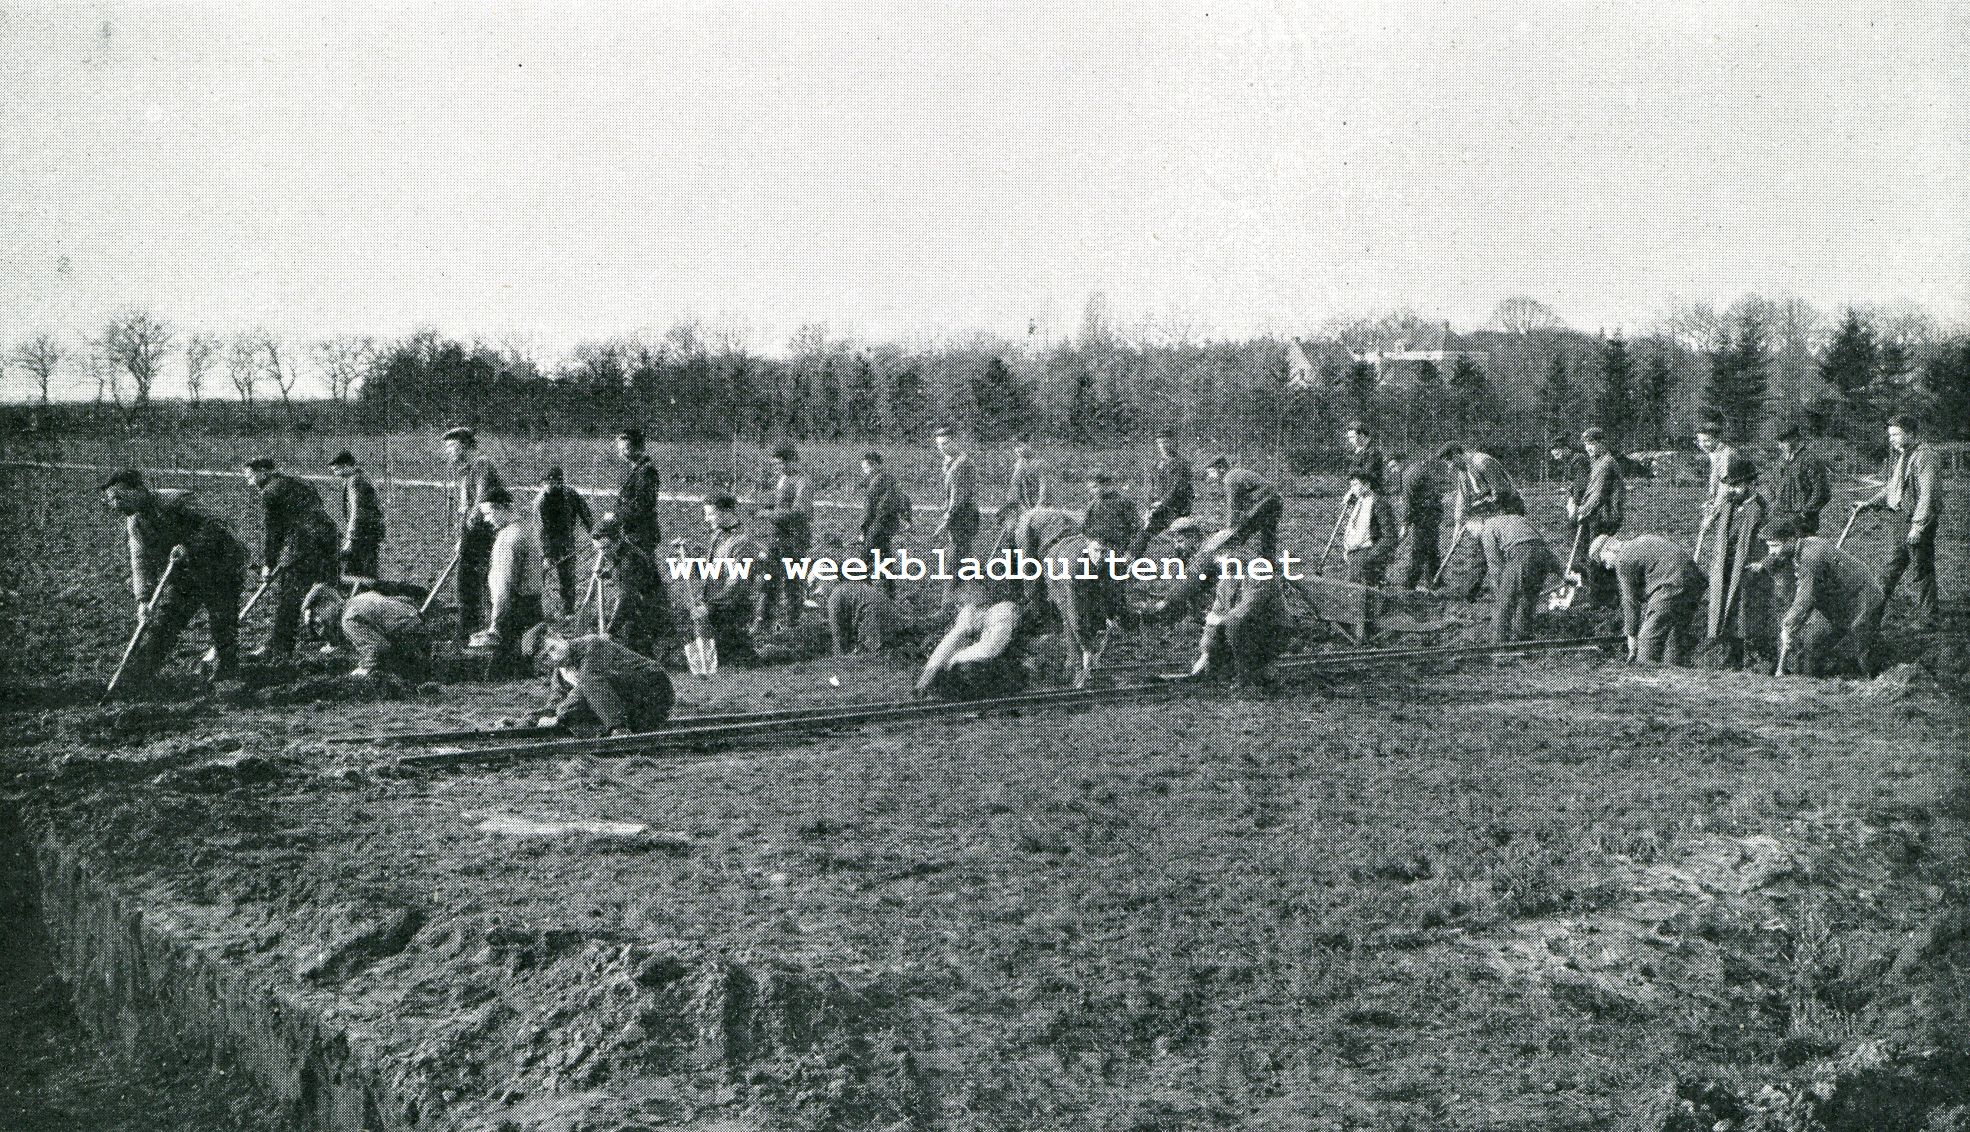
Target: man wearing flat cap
299	548
640	495
1170	491
1805	485
1835	602
1602	505
557	510
477	480
362	519
208	576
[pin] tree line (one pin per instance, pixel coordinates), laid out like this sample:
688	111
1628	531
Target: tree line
1755	364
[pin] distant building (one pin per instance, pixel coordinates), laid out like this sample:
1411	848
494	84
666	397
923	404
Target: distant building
1397	364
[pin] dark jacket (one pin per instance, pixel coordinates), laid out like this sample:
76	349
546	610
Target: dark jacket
1485	480
211	551
960	493
883	510
1422	494
1576	469
1172	485
362	515
297	528
1246	494
1603	502
1367	461
556	511
1831	582
637	501
1805	486
861	618
1736	547
623	688
473	483
1112	519
1648	566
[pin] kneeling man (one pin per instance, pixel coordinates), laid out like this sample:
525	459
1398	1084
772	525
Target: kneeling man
594	683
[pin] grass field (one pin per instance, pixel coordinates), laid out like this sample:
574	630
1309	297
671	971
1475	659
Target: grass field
1551	894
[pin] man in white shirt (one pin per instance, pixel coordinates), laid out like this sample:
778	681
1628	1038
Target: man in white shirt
513	576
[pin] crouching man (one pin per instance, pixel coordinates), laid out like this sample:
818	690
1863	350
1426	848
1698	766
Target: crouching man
861	618
207	576
1836	602
978	658
1245	629
386	633
1661	589
595	684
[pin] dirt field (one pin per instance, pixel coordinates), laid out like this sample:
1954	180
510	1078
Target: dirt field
1545	894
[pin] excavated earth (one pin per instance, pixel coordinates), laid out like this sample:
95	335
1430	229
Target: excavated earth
1548	893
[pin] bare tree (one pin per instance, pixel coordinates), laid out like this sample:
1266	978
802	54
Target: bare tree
201	350
284	376
1522	314
40	356
243	366
1692	325
134	341
343	362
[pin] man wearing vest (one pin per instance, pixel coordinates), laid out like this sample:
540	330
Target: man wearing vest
476	480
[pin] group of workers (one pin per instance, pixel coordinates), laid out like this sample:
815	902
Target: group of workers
1765	548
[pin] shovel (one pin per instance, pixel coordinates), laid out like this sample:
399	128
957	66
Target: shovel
1563	597
1340	520
1456	536
1851	516
701	651
143	622
212	654
443	575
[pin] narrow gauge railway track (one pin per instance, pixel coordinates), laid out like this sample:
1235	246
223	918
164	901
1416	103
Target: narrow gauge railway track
712	731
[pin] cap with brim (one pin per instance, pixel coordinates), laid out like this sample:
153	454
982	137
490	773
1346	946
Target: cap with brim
318	593
261	463
609	527
1449	450
784	452
1594	434
1781	530
1481	511
464	434
1711	428
632	434
343	459
128	477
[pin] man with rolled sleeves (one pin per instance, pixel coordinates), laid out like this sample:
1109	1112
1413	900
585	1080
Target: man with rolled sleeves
1170	488
1252	507
476	479
362	519
1835	600
1911	494
298	550
557	508
1661	589
1805	485
208	576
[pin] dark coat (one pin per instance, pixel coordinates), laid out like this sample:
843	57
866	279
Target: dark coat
556	510
1113	520
883	509
362	515
637	501
298	529
1735	611
1805	487
212	553
1172	486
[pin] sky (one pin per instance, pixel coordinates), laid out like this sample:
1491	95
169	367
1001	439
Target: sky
543	174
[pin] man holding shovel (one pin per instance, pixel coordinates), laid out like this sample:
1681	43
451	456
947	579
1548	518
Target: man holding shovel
208	575
299	548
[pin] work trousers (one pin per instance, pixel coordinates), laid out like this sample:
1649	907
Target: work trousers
363	557
406	654
791	539
558	562
474	564
882	541
1264	526
217	595
1425	552
1667	631
1368	566
958	540
1523	573
312	562
521	614
625	701
1921	555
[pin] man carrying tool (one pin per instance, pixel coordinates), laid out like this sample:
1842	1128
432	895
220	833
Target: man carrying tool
977	658
1171	489
791	521
1420	508
1252	506
298	551
1599	510
1363	454
1740	606
1805	485
640	495
362	520
476	480
511	580
1911	493
1575	469
557	508
885	513
1660	591
595	684
1710	441
209	575
1245	628
1835	600
959	526
638	613
1517	560
1026	487
736	565
1368	541
386	633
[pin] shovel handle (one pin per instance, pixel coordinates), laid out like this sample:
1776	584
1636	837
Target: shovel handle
143	620
439	582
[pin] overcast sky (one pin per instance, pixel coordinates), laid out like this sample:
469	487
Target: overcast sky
556	172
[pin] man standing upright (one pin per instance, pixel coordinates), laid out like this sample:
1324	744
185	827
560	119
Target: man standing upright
1911	493
1740	607
728	606
1710	441
959	526
1805	486
791	518
1369	539
299	549
362	519
1602	506
1171	488
640	495
207	576
1420	508
557	508
1364	455
1575	468
1026	487
1252	506
885	512
476	480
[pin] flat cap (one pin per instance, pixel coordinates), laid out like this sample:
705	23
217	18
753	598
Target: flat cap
463	434
343	459
1597	435
1782	529
632	434
260	463
128	477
